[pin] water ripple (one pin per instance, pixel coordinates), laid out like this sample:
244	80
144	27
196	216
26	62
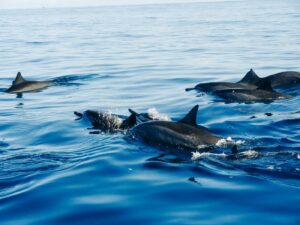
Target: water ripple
53	171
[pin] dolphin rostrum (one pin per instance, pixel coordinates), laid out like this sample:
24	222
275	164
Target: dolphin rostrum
184	134
20	85
263	93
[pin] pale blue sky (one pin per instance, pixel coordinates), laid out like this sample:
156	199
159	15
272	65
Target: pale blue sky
76	3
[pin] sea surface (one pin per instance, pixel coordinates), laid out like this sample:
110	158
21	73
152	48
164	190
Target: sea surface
54	170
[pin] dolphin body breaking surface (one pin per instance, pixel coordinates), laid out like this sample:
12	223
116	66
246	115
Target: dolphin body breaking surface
20	85
111	123
263	93
107	122
248	82
283	79
251	80
184	134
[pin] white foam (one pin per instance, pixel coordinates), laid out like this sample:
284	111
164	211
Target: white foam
250	153
228	141
298	156
114	119
201	146
153	113
239	142
109	121
198	155
271	167
221	143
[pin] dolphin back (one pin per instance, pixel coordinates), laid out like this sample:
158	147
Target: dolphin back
182	134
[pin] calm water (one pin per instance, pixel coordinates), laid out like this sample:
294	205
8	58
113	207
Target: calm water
52	171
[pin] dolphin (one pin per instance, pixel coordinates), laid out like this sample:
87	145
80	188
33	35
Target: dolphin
20	85
263	93
107	122
284	79
111	123
184	134
248	82
251	80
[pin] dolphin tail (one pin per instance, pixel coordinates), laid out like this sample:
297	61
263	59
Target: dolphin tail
191	117
250	78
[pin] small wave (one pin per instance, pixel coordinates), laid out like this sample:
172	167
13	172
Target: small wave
287	122
3	144
37	42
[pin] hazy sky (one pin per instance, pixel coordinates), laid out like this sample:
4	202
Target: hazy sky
75	3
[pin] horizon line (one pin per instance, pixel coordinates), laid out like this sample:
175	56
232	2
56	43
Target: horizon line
117	4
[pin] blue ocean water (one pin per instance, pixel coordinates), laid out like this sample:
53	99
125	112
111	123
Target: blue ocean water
53	171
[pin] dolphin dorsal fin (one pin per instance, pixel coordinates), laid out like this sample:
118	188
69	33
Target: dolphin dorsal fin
129	122
19	79
191	117
264	84
133	112
250	78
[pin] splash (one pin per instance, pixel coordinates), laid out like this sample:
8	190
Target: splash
228	141
154	114
108	122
